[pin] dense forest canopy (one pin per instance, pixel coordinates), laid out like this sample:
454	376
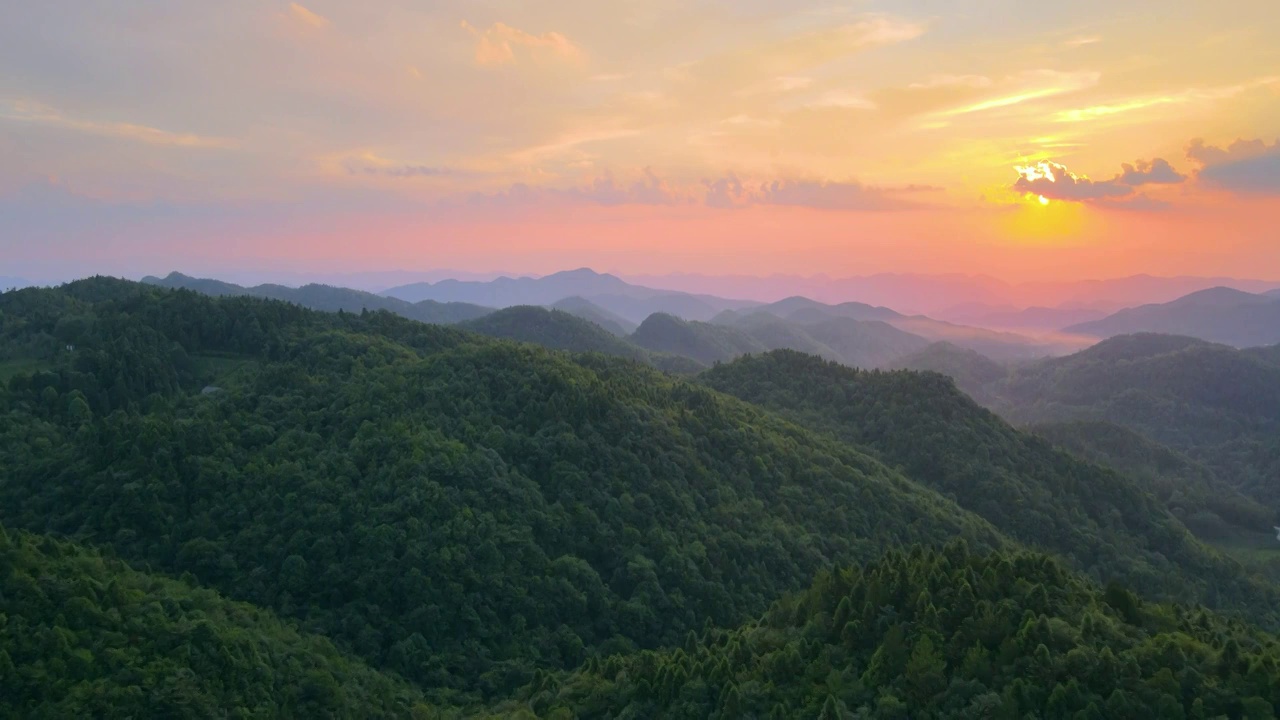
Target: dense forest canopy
354	514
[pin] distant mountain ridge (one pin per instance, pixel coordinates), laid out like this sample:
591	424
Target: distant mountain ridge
328	298
936	294
1220	314
995	344
633	302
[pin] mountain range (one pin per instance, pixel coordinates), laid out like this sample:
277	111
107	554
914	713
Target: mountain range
853	333
375	516
1218	314
1194	419
328	298
633	302
941	296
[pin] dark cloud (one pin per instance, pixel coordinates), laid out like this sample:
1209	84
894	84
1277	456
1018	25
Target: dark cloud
400	171
731	192
1054	181
604	190
1245	166
1154	172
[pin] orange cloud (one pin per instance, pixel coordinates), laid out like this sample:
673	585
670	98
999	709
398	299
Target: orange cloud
308	17
497	45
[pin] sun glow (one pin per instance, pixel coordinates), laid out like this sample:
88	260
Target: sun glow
1044	200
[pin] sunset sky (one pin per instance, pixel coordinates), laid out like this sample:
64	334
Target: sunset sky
1036	140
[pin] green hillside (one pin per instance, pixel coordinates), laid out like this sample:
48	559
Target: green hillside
1209	507
1106	524
459	510
970	369
705	342
1218	405
82	635
555	329
939	634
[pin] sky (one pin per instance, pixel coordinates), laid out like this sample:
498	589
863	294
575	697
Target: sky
1022	140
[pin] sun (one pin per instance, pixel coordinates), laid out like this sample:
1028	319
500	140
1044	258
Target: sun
1044	200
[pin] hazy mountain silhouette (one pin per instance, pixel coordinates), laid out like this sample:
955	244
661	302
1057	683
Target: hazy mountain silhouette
328	298
856	343
587	310
936	294
632	302
995	344
1025	319
1218	314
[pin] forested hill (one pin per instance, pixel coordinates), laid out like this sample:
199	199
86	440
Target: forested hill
481	518
459	510
932	634
1219	405
560	330
85	636
1104	522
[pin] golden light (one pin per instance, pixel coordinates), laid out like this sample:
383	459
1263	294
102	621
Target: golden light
1044	200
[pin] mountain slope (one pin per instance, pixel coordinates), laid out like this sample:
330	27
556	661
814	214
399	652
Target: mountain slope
969	369
86	636
555	329
1019	483
857	343
459	510
1218	405
704	342
996	344
329	299
1209	507
1218	315
939	635
587	310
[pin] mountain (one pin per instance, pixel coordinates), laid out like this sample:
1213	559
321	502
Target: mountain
939	633
970	369
12	283
1218	405
507	527
458	510
555	329
328	298
632	302
1001	345
1219	315
83	635
1031	319
938	437
806	310
857	343
587	310
704	342
936	294
1209	507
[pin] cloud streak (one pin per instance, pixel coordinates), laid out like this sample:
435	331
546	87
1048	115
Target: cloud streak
28	111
